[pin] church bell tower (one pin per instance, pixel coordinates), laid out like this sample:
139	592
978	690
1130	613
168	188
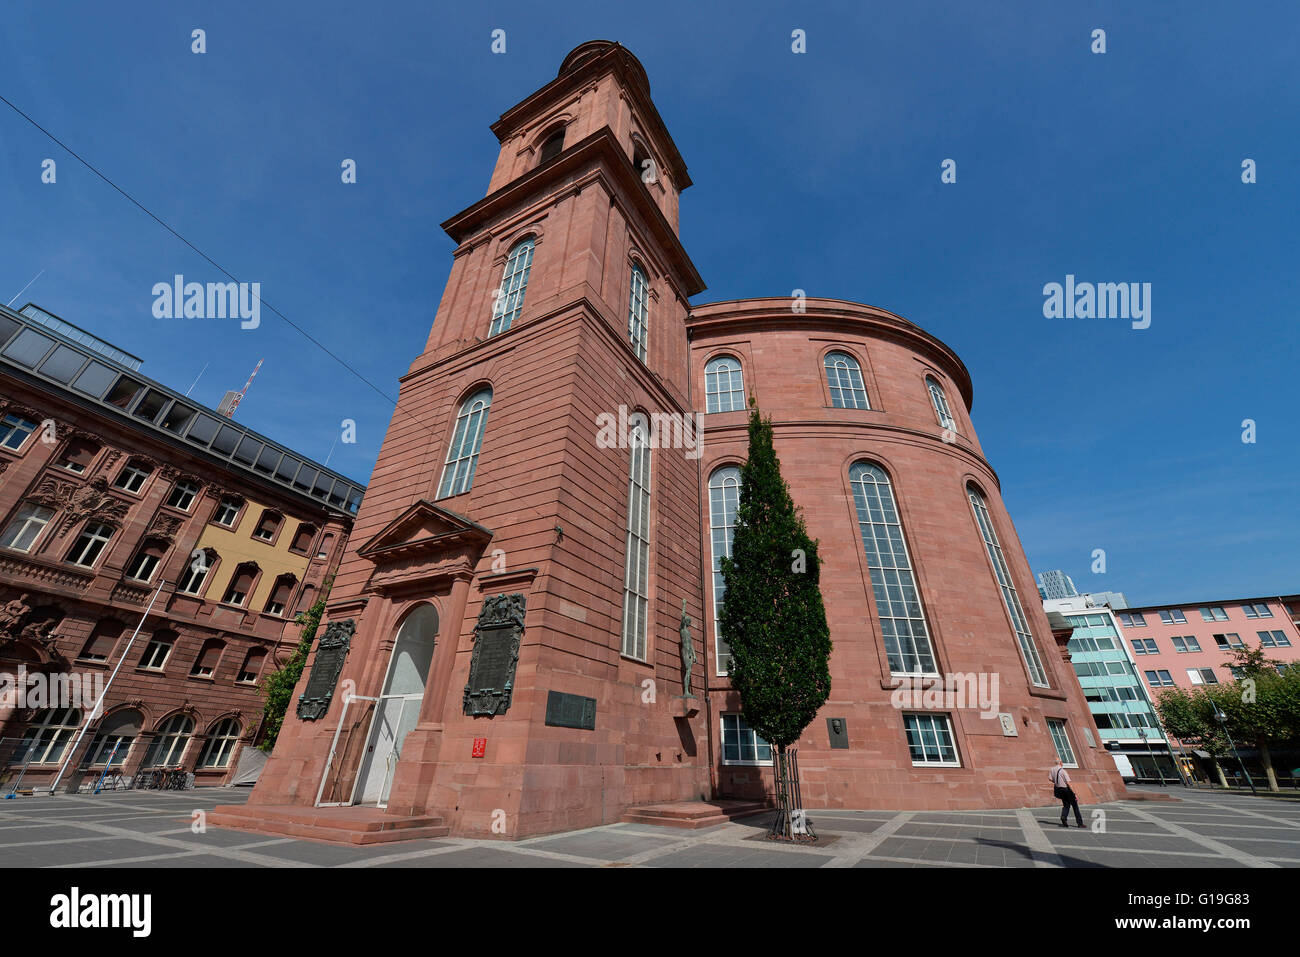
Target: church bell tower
511	607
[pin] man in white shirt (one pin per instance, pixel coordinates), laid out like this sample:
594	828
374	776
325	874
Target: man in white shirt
1061	789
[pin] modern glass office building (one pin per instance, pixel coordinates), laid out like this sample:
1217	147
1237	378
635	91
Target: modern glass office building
1125	715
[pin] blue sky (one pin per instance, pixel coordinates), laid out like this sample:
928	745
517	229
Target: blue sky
817	171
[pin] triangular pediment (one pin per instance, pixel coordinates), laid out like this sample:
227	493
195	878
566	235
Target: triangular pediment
423	528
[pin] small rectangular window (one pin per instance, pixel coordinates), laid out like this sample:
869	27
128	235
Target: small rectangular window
930	741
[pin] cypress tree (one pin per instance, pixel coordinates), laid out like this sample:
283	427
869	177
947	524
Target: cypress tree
772	613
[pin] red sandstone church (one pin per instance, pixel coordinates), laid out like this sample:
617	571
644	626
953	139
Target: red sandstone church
504	650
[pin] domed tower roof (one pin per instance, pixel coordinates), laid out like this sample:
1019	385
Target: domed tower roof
592	49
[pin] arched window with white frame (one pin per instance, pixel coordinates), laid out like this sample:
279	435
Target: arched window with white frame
220	745
724	500
466	441
893	581
844	378
638	312
169	743
724	385
47	737
514	282
1024	636
940	402
636	572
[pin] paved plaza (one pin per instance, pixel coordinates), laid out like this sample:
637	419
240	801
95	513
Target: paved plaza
153	829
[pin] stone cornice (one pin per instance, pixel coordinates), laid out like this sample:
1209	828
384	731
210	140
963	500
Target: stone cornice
816	427
600	148
830	315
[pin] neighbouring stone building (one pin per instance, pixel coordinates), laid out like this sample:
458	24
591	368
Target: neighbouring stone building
116	492
504	652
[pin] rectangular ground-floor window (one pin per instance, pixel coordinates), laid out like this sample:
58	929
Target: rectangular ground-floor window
1062	741
929	738
740	745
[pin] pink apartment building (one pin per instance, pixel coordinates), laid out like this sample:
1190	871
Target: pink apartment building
1189	645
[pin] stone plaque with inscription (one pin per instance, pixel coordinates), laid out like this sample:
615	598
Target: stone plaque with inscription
331	652
570	711
497	636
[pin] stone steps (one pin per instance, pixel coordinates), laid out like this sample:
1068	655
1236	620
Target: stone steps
336	825
692	815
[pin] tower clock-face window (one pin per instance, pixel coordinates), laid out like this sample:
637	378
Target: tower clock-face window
514	280
466	441
638	312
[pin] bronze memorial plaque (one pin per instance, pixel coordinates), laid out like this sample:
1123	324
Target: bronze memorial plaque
497	636
330	654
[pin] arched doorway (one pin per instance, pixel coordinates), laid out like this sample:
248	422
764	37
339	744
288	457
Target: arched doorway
398	707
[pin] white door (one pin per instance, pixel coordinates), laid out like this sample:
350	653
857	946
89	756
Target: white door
398	708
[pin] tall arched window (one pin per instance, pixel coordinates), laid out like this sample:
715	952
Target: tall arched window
724	385
466	440
844	376
638	311
552	148
898	600
220	745
514	280
940	403
112	742
47	737
1023	635
636	572
724	499
169	742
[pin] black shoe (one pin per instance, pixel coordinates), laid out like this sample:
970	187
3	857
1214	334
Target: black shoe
1063	824
1080	824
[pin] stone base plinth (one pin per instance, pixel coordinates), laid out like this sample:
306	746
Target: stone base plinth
336	825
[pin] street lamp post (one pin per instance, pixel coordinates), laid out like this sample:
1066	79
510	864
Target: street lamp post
1222	718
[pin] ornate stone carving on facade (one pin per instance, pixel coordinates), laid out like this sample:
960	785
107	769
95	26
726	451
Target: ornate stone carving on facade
165	527
79	502
14	615
136	596
14	568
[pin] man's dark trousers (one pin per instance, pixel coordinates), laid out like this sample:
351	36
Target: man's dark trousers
1070	800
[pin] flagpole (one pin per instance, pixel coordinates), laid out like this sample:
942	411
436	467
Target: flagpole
103	694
